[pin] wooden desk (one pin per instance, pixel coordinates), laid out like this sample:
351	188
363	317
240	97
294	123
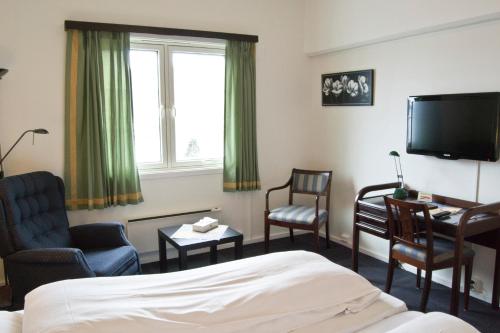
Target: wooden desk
476	223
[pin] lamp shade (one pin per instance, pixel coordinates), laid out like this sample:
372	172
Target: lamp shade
40	131
394	153
3	71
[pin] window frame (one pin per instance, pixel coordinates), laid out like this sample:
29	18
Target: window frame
165	48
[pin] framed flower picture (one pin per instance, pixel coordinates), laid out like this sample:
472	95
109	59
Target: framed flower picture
347	88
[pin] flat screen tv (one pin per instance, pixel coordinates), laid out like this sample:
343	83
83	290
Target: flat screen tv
454	126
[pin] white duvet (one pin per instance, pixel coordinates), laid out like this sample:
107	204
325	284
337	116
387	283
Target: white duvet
279	292
435	322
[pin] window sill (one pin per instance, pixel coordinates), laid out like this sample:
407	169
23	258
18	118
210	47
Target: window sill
151	174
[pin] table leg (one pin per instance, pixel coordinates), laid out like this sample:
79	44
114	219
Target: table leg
162	248
457	271
213	254
496	277
182	259
355	247
238	248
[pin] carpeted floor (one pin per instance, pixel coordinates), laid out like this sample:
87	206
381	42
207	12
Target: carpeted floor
480	314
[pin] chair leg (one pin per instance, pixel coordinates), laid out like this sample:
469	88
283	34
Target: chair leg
316	239
468	279
327	230
266	236
390	274
427	289
292	239
419	277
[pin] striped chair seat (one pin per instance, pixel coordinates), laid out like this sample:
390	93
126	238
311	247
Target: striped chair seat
297	214
443	250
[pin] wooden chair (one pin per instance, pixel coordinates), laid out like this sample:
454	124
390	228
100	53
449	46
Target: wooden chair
413	242
293	216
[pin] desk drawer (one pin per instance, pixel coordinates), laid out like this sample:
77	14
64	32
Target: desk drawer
375	220
372	209
372	229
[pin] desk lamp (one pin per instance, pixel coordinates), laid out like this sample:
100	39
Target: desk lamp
399	193
34	131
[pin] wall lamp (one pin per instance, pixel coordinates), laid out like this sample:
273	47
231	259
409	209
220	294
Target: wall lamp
34	131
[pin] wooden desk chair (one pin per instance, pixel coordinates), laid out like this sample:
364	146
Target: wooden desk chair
292	216
412	242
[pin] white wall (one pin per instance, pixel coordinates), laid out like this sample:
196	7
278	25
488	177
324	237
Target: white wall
32	47
336	24
355	141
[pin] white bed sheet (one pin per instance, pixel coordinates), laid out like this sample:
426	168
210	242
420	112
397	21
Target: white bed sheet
11	322
278	292
258	290
383	309
435	322
391	322
400	322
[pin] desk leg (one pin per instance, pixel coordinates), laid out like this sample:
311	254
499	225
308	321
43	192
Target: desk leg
457	272
182	259
238	248
496	277
213	254
162	248
355	247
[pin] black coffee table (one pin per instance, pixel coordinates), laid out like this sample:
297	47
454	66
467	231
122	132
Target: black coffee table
183	245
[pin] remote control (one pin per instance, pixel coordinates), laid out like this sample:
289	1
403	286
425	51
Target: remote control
441	215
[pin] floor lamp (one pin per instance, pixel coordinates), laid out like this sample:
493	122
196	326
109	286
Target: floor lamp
34	131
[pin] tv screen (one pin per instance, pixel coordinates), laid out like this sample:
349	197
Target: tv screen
454	126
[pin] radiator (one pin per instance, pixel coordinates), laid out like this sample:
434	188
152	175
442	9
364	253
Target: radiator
143	232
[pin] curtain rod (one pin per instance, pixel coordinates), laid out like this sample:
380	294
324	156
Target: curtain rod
80	25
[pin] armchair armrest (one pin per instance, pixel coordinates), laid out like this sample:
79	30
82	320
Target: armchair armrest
275	189
99	235
29	269
59	256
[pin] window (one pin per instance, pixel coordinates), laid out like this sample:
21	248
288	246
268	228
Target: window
178	99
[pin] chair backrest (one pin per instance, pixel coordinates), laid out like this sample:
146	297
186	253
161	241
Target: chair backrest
32	213
405	226
311	182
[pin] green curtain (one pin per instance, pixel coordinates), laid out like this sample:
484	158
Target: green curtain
241	172
100	169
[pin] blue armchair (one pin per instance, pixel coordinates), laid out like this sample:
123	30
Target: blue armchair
38	246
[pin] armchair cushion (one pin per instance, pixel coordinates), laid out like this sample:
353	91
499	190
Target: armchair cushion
297	214
99	235
443	250
112	261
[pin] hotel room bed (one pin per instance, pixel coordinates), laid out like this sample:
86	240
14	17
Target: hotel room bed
293	291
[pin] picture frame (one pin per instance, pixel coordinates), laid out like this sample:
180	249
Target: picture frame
354	88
